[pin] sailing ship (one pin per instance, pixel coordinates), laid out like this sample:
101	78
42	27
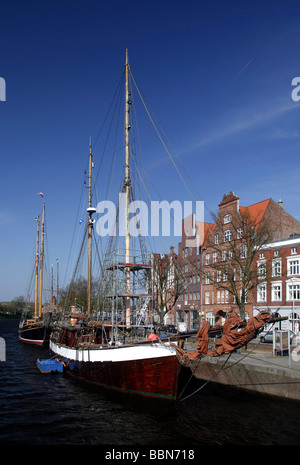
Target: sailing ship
36	330
118	353
118	349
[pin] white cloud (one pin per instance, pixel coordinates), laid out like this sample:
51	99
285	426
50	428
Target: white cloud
247	120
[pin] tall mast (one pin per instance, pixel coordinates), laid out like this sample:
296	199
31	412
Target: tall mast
36	267
41	262
127	183
52	295
90	211
57	283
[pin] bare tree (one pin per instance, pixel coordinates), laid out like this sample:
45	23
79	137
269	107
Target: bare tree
168	284
234	248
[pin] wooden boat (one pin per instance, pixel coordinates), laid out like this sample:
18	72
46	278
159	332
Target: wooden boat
113	354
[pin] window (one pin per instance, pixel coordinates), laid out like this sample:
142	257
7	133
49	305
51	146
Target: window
215	257
217	239
241	272
207	259
261	270
293	250
207	277
207	297
227	219
276	253
227	235
262	292
230	254
219	275
210	318
293	267
239	233
223	255
294	320
223	296
244	251
262	255
198	295
276	268
293	292
276	292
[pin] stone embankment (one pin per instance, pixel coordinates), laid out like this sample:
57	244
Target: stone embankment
255	369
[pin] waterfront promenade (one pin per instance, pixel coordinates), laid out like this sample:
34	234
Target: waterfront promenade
256	370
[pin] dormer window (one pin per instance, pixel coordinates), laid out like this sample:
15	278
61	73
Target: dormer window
227	218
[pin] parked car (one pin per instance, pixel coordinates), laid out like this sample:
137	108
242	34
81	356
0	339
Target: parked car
267	336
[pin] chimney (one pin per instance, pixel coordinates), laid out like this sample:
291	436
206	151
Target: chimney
280	203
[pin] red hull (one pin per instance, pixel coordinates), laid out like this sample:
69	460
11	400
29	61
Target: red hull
155	377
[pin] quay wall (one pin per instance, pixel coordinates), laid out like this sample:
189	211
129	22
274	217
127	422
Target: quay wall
260	372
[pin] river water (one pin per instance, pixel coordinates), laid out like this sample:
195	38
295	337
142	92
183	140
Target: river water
54	409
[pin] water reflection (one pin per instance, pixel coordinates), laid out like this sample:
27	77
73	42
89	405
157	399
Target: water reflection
55	409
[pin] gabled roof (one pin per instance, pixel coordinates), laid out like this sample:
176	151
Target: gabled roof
255	213
208	229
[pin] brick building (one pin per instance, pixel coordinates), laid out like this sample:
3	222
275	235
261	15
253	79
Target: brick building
189	305
279	289
212	270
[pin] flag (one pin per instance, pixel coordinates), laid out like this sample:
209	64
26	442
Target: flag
41	194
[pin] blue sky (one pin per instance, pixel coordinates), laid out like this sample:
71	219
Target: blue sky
217	75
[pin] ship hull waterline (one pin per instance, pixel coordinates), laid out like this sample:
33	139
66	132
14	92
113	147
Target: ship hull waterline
149	371
35	335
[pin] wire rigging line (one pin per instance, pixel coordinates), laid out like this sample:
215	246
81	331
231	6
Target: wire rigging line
162	141
208	381
117	97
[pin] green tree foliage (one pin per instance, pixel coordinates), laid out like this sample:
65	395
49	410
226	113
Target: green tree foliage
75	294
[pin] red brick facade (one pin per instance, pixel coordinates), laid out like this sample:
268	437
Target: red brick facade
204	297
